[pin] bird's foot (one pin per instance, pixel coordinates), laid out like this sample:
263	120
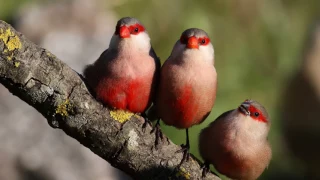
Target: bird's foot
205	169
186	154
146	122
158	132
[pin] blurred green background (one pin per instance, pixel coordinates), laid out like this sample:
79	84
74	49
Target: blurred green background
258	47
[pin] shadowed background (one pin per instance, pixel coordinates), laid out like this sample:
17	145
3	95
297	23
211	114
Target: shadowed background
264	50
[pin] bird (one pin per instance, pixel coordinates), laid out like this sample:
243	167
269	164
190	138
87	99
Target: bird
236	143
188	83
125	76
300	104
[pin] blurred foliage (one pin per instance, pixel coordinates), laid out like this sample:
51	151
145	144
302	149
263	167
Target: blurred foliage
258	46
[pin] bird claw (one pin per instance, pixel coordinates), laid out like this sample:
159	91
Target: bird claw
205	169
186	154
158	132
146	122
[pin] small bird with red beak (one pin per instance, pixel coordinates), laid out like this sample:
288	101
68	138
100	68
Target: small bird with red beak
125	75
236	142
188	83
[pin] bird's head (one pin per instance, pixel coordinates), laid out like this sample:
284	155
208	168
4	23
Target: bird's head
196	42
130	33
254	110
254	119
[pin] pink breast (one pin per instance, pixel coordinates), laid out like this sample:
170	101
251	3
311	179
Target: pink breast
233	167
182	108
132	95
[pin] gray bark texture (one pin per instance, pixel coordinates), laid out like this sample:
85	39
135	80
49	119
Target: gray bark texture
56	91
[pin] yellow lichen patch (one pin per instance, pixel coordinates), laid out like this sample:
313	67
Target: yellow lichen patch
49	54
183	173
136	116
121	115
10	57
10	40
16	64
64	108
14	43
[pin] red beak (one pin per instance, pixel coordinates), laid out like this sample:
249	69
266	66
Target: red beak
124	32
193	43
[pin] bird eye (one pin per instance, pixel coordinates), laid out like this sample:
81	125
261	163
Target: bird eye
136	29
203	41
256	114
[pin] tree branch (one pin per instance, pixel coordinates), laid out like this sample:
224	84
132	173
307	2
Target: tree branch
37	77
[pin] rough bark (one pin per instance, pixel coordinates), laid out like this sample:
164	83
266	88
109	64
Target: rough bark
56	91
